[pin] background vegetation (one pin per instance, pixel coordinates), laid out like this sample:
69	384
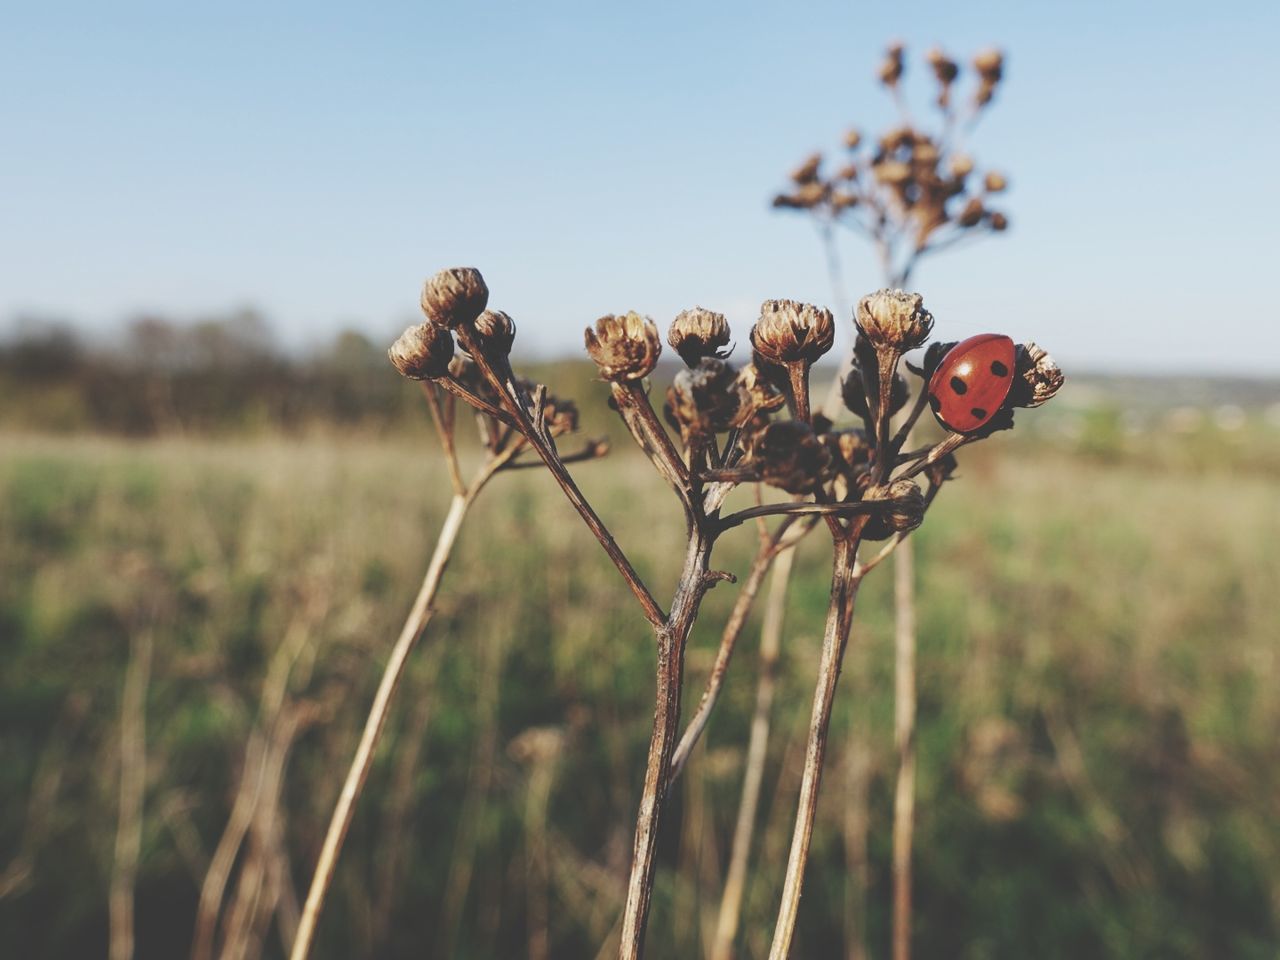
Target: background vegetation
1099	735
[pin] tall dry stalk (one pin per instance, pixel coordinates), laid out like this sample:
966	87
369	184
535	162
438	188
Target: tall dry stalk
133	784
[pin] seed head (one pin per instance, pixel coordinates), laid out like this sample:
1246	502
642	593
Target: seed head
791	456
853	392
703	400
990	66
904	514
891	68
961	165
756	395
790	332
850	451
495	332
894	319
852	138
624	347
944	68
995	182
1041	376
807	172
455	296
699	333
423	352
941	469
999	222
972	213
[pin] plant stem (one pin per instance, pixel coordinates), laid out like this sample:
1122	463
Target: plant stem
844	588
133	785
904	722
414	624
757	749
671	637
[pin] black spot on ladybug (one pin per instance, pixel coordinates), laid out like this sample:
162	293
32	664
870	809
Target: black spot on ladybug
999	369
959	386
934	403
979	413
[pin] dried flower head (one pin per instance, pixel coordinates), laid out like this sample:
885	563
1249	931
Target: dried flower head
998	221
990	66
790	455
894	319
704	399
892	66
624	347
807	172
852	138
495	332
699	333
905	511
756	395
455	296
972	213
791	332
850	450
423	352
995	182
1040	375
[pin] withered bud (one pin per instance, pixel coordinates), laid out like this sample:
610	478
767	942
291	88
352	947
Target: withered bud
791	332
423	352
811	194
894	319
559	414
848	172
853	392
972	213
495	332
944	68
843	200
1037	378
893	173
703	399
807	172
990	66
852	138
790	456
904	514
995	182
961	165
624	347
891	69
998	221
699	333
785	201
455	296
756	395
850	451
941	469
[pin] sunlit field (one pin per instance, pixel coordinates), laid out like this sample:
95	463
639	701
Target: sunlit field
1099	733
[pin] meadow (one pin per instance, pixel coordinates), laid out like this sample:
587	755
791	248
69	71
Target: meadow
1099	733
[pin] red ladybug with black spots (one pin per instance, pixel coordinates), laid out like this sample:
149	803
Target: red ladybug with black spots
972	381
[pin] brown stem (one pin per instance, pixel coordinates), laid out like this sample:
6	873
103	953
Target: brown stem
904	716
798	373
844	588
484	406
414	624
133	784
591	450
757	749
444	428
888	367
671	637
844	509
951	443
637	413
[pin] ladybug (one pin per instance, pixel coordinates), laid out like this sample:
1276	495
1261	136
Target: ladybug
972	381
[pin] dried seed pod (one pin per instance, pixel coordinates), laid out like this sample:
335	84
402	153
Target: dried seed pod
904	514
990	66
559	414
945	70
455	296
756	394
852	139
853	392
961	165
423	352
495	332
891	68
893	173
704	399
624	347
998	221
699	333
995	182
848	172
843	200
1036	378
972	213
790	456
807	172
791	332
850	451
941	469
894	319
786	201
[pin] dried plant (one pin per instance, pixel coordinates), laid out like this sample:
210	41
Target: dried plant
730	431
911	193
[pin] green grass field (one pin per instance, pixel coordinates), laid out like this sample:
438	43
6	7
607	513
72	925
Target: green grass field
1099	720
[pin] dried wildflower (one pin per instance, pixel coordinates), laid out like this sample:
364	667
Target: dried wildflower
904	514
423	352
704	399
495	332
850	451
699	333
848	172
892	66
990	66
972	213
455	296
560	415
790	456
892	173
1037	378
756	395
852	139
791	332
894	319
961	165
624	347
944	68
807	172
941	469
995	182
853	392
998	221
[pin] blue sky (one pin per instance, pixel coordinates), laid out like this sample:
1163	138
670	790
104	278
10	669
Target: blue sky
318	160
